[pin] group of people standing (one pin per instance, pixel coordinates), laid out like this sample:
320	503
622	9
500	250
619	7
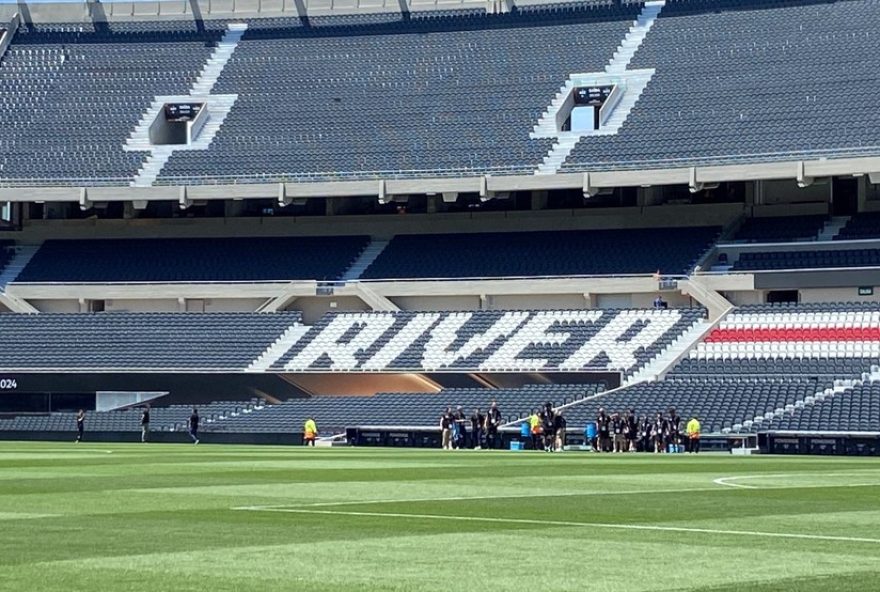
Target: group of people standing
618	432
479	430
547	429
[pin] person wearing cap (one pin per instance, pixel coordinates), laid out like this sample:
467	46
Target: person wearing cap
693	434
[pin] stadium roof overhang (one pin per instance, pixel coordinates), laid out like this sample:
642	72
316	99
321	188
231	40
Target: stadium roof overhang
802	171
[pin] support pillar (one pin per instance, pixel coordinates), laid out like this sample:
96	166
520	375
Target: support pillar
539	200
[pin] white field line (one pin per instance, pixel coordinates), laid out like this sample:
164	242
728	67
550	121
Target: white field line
721	481
5	451
469	498
637	527
728	481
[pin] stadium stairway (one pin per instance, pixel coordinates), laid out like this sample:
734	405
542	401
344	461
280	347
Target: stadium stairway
218	60
202	87
558	153
833	227
634	83
278	348
668	357
634	37
546	125
20	259
365	259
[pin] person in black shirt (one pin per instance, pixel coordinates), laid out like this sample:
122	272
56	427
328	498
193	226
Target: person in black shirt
548	425
603	430
477	422
659	430
559	425
80	425
493	422
446	421
632	430
674	424
145	424
618	427
194	426
645	426
460	430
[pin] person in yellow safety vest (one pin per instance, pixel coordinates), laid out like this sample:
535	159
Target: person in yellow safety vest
535	429
310	432
693	432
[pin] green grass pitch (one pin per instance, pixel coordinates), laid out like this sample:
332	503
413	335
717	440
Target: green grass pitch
161	518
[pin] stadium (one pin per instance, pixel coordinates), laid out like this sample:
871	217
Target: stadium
562	295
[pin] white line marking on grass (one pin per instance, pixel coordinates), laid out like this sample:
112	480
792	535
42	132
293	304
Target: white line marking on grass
639	527
724	481
5	451
473	498
728	481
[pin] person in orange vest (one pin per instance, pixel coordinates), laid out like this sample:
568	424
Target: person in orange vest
693	433
310	432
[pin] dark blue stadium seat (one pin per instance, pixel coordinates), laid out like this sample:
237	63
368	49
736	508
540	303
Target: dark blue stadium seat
551	253
194	259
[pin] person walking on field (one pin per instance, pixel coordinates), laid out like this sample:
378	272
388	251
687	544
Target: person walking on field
80	425
194	426
145	424
693	434
310	432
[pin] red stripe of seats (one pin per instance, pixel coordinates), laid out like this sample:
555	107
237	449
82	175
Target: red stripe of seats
767	334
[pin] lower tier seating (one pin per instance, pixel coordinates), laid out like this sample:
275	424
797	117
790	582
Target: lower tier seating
857	409
334	414
173	417
720	402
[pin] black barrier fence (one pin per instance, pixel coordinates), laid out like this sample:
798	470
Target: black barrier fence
822	443
829	444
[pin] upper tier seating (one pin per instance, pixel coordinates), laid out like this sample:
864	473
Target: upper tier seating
455	93
551	253
797	341
193	259
334	414
442	94
72	94
783	229
807	259
488	341
743	81
137	341
861	226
